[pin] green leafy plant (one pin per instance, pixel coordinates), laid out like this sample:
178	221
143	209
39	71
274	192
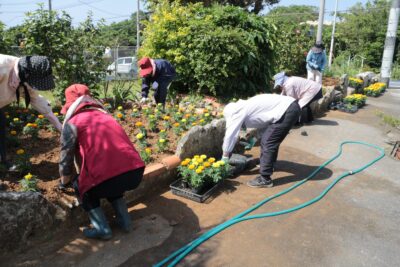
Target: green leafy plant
200	171
212	48
31	129
162	144
22	161
29	183
145	154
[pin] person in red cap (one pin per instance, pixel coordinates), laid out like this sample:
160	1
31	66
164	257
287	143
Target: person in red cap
157	73
109	163
24	76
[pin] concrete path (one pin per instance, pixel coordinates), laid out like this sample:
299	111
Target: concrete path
356	224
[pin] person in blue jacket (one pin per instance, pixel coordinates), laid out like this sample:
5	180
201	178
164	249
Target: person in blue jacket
316	61
157	73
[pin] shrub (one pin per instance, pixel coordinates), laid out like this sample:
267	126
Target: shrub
221	50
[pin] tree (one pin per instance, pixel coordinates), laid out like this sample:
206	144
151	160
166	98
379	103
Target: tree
293	14
362	31
75	57
222	50
255	6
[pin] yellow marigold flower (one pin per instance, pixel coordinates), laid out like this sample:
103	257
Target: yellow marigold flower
20	151
198	170
216	165
162	131
201	121
161	140
221	162
200	160
159	105
207	164
211	160
151	116
184	163
188	159
56	114
16	119
194	124
147	150
40	116
176	124
192	166
196	156
119	115
139	136
7	116
139	124
166	118
156	110
135	110
120	108
28	176
207	115
13	132
203	156
183	120
28	124
187	115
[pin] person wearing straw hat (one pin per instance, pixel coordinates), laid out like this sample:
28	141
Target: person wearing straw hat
24	76
157	73
273	115
303	90
316	61
108	162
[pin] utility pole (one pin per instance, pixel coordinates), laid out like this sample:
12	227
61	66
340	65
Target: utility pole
320	20
390	42
138	27
49	6
333	36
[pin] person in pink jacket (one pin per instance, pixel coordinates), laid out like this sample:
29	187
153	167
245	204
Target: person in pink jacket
108	162
303	90
24	77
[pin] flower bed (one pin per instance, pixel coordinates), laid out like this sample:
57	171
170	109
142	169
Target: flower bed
358	100
375	89
356	83
33	144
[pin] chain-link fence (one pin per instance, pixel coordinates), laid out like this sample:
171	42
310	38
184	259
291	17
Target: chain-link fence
122	63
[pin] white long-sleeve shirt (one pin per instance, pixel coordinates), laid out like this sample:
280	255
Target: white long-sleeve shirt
8	95
256	112
300	89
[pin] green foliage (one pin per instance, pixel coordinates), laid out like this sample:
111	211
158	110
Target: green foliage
293	14
254	5
362	31
389	119
75	58
29	183
221	50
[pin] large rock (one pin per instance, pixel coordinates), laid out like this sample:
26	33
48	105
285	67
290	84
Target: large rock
24	215
206	139
320	106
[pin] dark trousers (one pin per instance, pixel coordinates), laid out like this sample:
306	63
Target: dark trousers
306	112
273	137
3	151
112	189
160	95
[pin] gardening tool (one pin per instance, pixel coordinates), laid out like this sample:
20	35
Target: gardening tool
181	253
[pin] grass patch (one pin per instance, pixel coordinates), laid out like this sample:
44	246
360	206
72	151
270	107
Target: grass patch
389	119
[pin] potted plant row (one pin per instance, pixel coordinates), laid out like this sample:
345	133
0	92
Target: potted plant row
200	176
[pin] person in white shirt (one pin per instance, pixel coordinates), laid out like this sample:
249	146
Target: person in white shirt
274	115
24	76
303	90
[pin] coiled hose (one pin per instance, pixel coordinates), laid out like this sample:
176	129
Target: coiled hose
181	253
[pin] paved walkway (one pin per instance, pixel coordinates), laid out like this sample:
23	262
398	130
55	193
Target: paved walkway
356	224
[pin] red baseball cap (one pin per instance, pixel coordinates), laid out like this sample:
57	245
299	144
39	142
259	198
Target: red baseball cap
145	67
72	93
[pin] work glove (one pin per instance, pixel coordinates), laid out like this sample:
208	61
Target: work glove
225	159
154	85
252	141
143	100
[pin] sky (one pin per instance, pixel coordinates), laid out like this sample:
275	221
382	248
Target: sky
12	11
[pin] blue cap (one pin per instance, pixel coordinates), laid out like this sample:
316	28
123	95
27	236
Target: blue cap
279	78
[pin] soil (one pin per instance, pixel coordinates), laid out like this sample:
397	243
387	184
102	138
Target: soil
44	151
330	81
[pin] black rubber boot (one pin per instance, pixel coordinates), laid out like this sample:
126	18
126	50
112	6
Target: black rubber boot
122	215
101	229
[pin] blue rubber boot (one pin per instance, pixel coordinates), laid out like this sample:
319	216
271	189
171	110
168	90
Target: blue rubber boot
101	229
122	215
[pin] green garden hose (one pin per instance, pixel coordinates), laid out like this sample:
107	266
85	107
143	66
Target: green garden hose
181	253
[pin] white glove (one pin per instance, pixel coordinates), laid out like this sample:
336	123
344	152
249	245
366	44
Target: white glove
143	100
154	85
